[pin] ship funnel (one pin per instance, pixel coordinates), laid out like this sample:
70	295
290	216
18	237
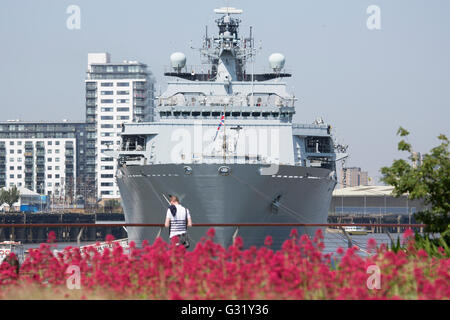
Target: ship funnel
276	61
178	61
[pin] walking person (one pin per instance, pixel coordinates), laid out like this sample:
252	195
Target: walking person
178	219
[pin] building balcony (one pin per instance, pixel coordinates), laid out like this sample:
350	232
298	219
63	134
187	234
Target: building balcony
139	86
91	86
139	103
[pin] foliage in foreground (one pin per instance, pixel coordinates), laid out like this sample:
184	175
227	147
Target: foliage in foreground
299	270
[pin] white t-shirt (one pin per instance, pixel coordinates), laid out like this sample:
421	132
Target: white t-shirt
178	222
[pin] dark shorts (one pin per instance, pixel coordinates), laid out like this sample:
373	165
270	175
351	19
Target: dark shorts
182	239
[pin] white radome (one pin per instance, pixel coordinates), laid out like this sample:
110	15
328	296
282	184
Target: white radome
178	60
276	61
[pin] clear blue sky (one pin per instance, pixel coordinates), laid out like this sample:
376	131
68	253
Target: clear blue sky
364	83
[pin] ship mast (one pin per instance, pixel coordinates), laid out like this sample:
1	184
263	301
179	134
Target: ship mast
224	145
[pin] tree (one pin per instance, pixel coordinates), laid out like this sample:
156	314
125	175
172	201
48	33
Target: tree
112	205
9	196
428	179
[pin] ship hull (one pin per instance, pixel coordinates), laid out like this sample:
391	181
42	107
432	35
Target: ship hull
293	195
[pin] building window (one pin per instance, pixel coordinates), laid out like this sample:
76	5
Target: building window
19	176
49	168
19	151
123	84
57	142
49	176
123	100
49	159
11	168
56	159
11	143
106	100
106	184
107	109
107	176
123	109
123	92
57	151
49	143
107	167
11	176
107	118
11	151
107	84
107	126
49	151
107	93
19	159
56	167
49	184
19	168
56	176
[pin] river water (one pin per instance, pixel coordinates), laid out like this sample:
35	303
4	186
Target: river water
332	241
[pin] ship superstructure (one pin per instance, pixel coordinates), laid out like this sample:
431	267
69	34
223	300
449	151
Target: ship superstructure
225	143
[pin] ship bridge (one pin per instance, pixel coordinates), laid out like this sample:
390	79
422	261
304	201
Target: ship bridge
224	86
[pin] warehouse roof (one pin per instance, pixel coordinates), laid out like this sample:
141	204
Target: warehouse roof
364	191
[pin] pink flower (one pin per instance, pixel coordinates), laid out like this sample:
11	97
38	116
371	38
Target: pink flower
211	233
408	233
51	237
294	233
268	241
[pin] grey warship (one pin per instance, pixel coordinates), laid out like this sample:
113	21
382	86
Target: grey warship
225	143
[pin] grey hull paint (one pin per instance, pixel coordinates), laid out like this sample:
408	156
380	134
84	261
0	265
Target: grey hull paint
243	196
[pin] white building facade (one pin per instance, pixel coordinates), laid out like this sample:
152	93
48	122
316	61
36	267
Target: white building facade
44	165
115	93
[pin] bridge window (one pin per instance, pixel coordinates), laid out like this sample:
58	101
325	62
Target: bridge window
256	114
318	145
195	113
206	114
133	143
235	114
245	114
